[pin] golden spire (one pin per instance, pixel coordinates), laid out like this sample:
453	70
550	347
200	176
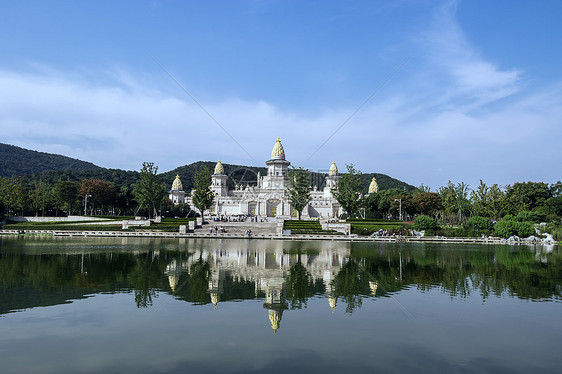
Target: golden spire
219	169
373	286
332	301
173	280
333	169
177	184
278	153
373	187
274	319
215	299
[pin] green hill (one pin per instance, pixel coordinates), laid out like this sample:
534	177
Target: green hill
16	161
239	174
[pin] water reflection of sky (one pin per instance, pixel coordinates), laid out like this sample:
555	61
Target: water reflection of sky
409	329
107	332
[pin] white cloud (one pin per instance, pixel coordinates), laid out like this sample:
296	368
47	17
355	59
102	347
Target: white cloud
444	122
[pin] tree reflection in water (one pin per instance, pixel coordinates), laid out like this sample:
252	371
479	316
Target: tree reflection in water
285	276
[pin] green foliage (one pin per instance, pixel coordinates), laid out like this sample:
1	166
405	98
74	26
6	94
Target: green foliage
101	194
455	200
479	225
299	190
425	223
489	201
526	215
509	227
18	161
149	191
527	196
348	192
202	195
298	285
427	203
15	196
368	227
306	228
388	204
65	195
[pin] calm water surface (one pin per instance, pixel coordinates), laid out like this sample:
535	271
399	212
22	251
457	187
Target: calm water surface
233	306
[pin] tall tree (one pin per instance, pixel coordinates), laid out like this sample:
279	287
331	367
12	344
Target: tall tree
65	194
527	196
202	196
428	203
489	201
348	192
40	196
455	199
299	190
101	194
149	191
16	195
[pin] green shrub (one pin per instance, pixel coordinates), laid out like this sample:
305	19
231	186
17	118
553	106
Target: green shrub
425	223
524	229
507	227
478	225
527	216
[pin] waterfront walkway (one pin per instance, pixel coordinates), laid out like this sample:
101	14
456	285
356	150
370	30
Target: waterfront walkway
205	234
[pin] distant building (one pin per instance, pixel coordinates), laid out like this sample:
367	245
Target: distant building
268	198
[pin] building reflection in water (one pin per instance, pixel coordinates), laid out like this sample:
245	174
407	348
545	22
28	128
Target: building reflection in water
267	266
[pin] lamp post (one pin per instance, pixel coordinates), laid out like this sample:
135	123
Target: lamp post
86	196
400	208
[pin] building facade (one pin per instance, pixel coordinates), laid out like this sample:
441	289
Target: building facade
268	197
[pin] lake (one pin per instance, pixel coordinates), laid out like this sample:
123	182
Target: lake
131	305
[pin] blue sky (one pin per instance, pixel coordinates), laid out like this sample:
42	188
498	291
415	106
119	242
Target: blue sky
480	96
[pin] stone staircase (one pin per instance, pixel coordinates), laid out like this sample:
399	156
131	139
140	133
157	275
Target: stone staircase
258	228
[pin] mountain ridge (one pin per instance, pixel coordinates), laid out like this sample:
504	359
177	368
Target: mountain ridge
15	162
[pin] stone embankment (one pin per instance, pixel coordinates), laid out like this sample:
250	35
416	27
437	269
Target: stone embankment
261	232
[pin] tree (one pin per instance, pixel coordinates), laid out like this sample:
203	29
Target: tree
425	223
149	190
348	192
489	201
527	196
477	225
100	193
386	200
40	196
65	194
16	195
371	204
299	191
428	203
455	199
202	196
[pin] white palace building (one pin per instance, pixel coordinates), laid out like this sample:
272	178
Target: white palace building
269	197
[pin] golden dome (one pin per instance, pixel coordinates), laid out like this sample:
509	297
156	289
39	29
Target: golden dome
333	169
332	301
373	187
215	299
173	280
274	319
177	184
278	152
373	286
219	169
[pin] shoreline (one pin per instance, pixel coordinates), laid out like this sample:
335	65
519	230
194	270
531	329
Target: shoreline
342	238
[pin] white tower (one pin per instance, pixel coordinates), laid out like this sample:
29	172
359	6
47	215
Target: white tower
331	180
177	195
218	180
277	177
